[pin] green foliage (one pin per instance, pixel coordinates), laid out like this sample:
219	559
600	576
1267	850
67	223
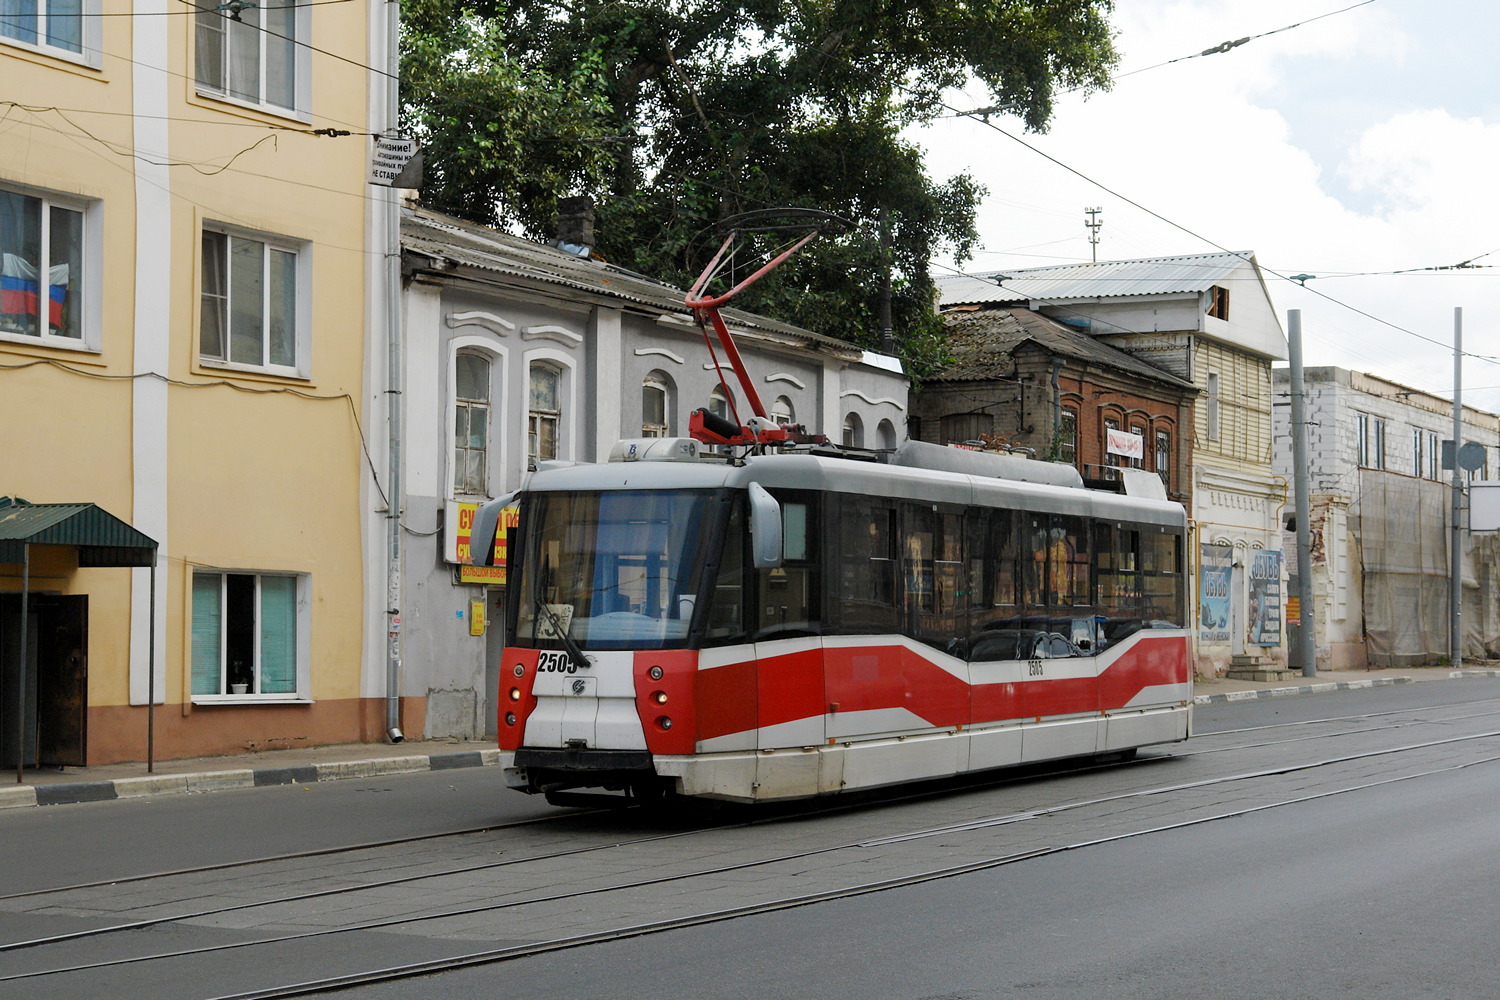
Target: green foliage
675	114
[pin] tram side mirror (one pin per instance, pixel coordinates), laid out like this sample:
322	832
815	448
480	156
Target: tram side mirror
765	528
486	523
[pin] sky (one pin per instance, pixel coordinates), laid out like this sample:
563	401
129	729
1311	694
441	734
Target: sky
1363	141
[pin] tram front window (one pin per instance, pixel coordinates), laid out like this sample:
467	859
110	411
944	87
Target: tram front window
618	570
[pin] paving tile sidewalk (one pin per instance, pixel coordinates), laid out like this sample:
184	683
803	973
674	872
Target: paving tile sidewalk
55	786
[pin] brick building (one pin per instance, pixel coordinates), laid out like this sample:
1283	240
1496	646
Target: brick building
1026	382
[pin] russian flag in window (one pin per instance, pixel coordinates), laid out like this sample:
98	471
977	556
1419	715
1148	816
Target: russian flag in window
57	296
18	286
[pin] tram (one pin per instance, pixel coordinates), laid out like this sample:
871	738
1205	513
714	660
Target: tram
813	621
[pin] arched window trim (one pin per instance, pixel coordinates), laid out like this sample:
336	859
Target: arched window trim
499	359
567	401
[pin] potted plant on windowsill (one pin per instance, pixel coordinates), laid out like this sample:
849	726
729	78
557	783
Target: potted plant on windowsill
239	678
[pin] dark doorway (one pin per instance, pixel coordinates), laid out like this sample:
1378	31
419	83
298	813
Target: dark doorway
56	694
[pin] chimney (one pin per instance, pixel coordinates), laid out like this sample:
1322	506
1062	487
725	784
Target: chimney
575	224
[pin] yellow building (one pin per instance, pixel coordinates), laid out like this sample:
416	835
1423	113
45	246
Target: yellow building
192	263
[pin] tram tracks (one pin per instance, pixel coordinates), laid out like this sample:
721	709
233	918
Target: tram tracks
824	860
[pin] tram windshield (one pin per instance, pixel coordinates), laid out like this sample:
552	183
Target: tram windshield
614	570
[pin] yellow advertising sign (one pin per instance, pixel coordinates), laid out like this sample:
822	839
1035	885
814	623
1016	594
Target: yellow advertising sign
462	548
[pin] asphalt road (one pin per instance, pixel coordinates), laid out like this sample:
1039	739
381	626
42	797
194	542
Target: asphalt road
1383	891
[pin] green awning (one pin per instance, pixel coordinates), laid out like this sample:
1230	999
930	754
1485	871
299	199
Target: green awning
101	538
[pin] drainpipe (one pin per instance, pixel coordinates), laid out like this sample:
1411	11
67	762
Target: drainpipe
1056	408
394	410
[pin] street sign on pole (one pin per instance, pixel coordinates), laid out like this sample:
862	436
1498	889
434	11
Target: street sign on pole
389	155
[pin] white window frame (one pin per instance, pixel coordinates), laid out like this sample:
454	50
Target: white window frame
854	430
209	18
1362	440
782	410
659	382
302	686
471	406
1434	456
567	403
1418	436
90	38
90	314
1379	448
301	303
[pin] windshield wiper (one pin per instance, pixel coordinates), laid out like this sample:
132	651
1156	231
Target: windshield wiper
574	653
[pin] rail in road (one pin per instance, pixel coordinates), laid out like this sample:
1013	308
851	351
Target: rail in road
301	924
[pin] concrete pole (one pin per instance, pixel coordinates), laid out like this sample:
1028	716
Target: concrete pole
1456	549
1307	638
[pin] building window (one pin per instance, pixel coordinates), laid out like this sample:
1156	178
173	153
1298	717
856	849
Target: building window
1213	406
1218	302
656	406
1377	457
1362	440
250	307
41	267
245	634
471	424
854	431
1164	457
1111	460
1418	465
253	55
1067	436
1433	455
967	428
544	413
54	24
1139	430
885	435
782	411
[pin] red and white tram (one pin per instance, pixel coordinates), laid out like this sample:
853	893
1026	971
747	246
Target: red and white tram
800	624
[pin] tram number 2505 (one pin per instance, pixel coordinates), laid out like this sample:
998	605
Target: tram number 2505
555	662
1034	668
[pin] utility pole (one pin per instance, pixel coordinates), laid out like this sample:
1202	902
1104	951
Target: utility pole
1093	225
1456	548
1307	638
395	356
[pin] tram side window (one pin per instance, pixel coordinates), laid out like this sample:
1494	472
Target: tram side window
1068	564
1161	576
726	615
932	564
864	594
1032	548
789	593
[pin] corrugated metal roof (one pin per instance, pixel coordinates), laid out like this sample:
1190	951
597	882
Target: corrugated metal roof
101	538
465	244
981	343
1106	279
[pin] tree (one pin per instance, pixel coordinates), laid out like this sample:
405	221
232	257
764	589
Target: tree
674	114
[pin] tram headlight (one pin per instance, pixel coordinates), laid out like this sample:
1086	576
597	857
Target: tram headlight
515	694
510	718
664	722
655	673
660	697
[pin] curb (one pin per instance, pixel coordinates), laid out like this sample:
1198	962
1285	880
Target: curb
1219	699
64	793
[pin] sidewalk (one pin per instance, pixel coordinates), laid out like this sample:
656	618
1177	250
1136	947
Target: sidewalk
55	786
